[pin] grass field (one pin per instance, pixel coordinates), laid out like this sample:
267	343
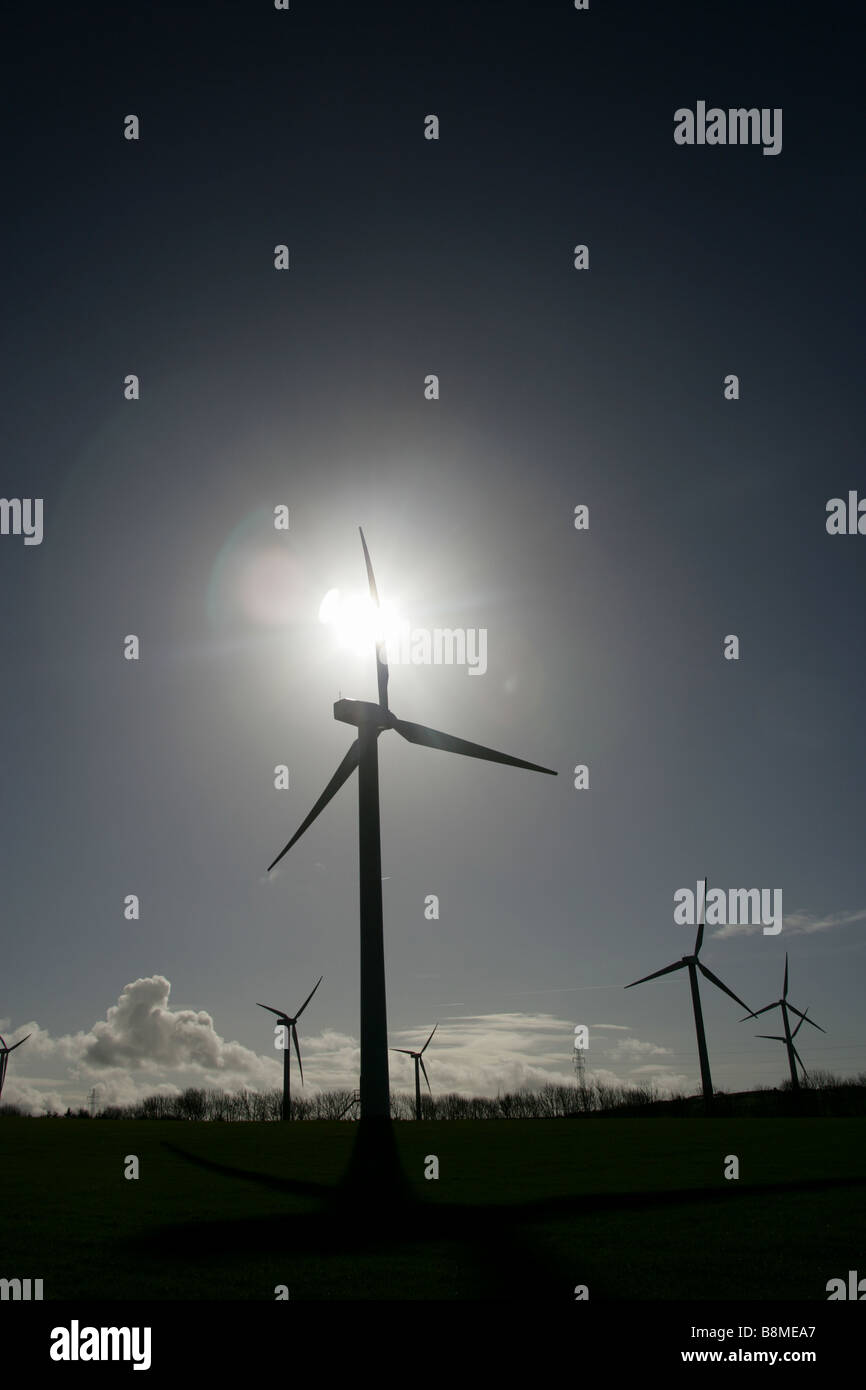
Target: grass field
523	1209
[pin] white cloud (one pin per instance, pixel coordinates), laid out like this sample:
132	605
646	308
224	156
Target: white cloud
632	1049
31	1099
129	1052
666	1081
481	1054
795	924
145	1046
140	1030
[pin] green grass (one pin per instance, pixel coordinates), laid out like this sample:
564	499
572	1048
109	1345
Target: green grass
522	1209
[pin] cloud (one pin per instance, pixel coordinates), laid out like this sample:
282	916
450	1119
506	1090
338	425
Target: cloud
665	1079
31	1100
129	1052
481	1054
795	924
632	1049
332	1061
804	923
145	1046
660	1076
141	1030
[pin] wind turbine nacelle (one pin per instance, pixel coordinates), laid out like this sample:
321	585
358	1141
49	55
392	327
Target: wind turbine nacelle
360	712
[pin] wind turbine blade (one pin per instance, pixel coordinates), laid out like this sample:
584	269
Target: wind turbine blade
344	771
765	1010
424	1069
404	1050
432	738
309	997
18	1044
799	1059
785	986
699	939
371	578
279	1012
774	1037
805	1019
381	663
717	982
427	1043
297	1051
678	965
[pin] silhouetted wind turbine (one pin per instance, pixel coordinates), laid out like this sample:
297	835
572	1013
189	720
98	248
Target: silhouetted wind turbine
371	720
789	1037
419	1063
289	1025
694	965
4	1057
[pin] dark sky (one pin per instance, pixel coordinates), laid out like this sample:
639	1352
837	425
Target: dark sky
306	387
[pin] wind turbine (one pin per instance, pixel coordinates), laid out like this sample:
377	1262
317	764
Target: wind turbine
290	1029
788	1038
693	965
4	1057
419	1067
371	720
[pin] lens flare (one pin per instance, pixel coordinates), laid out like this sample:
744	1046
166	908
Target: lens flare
356	622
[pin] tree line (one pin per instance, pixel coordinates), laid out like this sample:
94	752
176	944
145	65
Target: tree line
823	1093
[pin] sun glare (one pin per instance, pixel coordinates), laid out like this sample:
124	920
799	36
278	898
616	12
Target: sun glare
356	621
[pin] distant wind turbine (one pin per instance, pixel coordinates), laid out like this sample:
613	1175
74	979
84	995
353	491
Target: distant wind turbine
289	1025
4	1057
371	720
419	1067
694	965
788	1038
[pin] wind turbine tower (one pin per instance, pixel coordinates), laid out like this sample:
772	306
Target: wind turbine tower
693	965
419	1067
789	1036
371	720
290	1035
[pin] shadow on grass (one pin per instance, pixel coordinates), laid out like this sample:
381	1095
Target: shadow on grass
374	1220
371	1217
294	1187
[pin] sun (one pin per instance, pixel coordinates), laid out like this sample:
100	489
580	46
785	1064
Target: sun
356	622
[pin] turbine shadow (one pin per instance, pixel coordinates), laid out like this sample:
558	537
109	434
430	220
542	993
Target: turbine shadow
372	1215
287	1186
375	1225
372	1201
